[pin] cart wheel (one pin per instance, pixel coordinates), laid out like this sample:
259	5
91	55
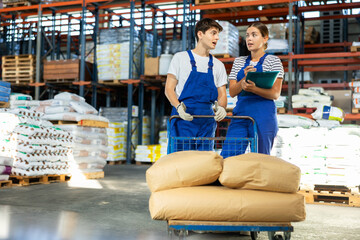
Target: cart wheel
273	236
254	235
287	235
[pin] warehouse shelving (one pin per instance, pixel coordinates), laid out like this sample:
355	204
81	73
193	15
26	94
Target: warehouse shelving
86	7
237	13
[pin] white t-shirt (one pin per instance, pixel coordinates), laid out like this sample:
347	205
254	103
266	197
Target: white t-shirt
180	67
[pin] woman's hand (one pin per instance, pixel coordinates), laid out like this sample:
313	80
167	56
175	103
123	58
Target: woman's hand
249	69
248	85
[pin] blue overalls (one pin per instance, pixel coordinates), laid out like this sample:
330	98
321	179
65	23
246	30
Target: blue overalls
199	94
262	110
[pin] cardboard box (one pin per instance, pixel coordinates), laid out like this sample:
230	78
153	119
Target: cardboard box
151	66
342	99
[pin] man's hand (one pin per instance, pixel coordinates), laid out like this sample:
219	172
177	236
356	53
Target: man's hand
220	112
181	109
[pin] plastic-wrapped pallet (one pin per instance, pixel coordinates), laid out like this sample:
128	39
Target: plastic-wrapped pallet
36	146
325	156
89	147
229	40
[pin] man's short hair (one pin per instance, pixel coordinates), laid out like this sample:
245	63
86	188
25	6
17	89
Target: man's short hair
205	24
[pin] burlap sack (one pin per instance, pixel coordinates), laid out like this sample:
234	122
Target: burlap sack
184	169
260	172
216	203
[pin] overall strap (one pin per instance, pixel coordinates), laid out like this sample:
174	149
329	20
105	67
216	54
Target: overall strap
192	60
210	64
261	61
247	62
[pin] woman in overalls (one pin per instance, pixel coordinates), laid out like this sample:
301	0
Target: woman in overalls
196	80
253	101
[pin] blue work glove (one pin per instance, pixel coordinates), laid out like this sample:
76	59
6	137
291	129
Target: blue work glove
181	109
220	112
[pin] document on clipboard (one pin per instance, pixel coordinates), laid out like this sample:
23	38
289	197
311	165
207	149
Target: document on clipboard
263	79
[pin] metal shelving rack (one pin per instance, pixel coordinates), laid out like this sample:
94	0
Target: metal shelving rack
94	9
296	58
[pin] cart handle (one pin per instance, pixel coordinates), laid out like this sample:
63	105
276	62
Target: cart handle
212	116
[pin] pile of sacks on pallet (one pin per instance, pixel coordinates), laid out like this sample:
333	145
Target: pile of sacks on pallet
254	188
5	167
35	145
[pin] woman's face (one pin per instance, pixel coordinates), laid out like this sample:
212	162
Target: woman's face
254	39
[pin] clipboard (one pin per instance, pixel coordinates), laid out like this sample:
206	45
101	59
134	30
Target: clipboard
263	79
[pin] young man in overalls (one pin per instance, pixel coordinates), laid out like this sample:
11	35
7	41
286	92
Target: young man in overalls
195	81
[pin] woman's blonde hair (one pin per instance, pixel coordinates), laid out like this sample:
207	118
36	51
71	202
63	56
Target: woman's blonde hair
262	28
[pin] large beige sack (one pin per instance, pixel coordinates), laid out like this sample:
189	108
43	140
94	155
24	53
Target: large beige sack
184	169
260	172
216	203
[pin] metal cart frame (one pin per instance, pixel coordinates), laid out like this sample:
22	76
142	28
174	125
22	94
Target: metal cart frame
181	227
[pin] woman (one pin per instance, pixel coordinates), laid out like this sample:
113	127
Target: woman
253	101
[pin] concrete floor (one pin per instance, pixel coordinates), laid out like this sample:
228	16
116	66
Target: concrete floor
116	207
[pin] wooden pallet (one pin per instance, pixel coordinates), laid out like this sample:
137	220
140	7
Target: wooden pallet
144	163
112	82
355	48
17	4
61	80
333	198
4	104
85	123
355	110
6	184
94	175
281	110
304	110
155	78
117	162
31	180
19	80
201	2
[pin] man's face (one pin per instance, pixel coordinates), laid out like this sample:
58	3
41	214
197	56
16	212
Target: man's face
209	38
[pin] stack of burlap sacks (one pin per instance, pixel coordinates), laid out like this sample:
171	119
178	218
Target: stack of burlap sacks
254	188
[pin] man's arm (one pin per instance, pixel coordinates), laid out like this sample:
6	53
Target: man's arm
170	86
222	98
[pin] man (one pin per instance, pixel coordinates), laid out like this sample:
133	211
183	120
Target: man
195	81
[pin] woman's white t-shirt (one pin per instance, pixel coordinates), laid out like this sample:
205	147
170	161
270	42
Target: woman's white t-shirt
180	67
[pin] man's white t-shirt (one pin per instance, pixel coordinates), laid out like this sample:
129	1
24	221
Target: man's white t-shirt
180	67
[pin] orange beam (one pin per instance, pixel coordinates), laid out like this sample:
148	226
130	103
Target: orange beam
324	85
329	7
329	68
327	45
329	62
326	55
237	4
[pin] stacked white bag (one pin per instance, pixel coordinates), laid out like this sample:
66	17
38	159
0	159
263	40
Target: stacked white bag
68	107
18	100
324	155
310	98
89	147
36	146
